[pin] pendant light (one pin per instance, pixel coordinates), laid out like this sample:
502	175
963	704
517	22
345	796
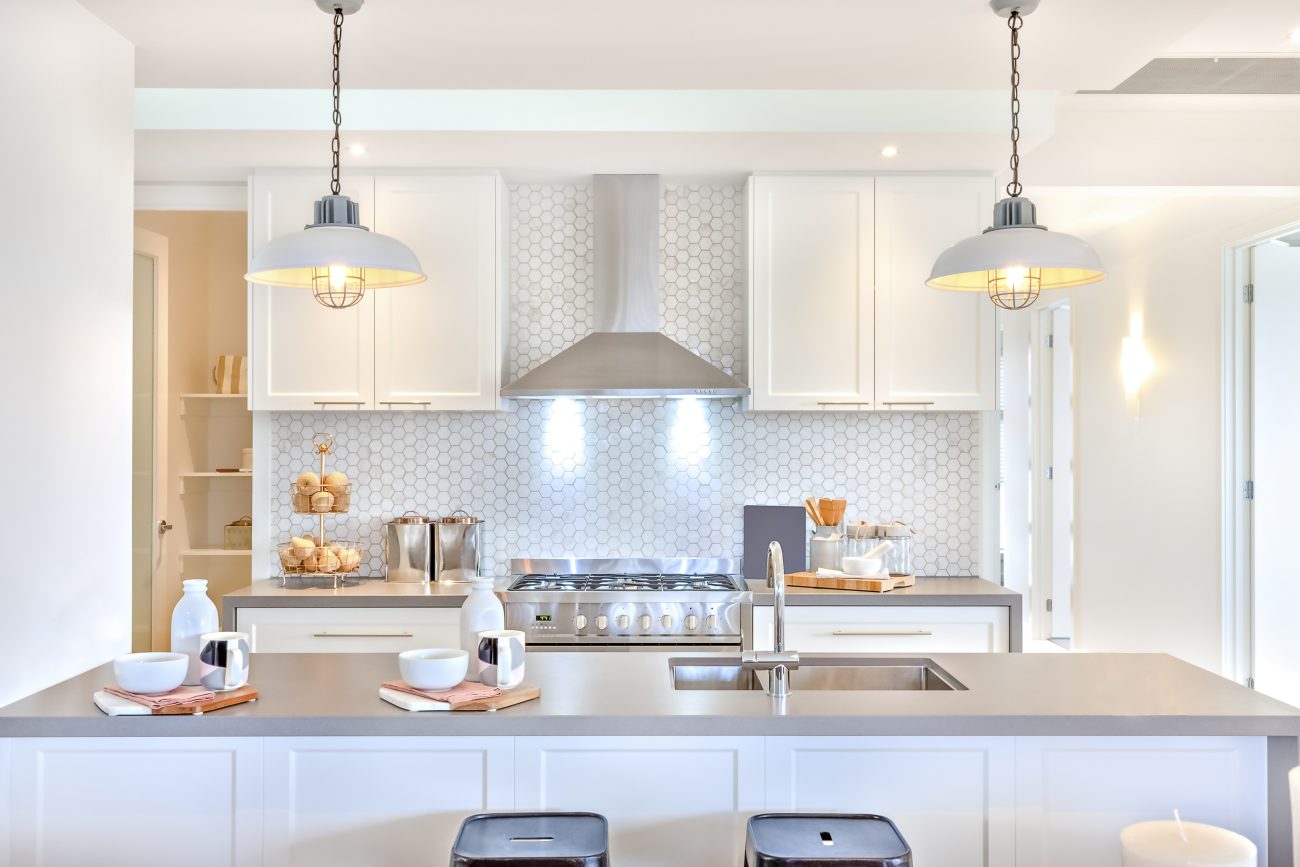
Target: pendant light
1016	258
335	256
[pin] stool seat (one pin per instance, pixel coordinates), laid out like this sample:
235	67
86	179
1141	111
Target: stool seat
824	840
532	840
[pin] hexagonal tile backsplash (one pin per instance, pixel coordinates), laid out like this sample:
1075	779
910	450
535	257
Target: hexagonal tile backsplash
637	478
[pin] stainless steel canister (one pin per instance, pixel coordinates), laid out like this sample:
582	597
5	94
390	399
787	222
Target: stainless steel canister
408	549
457	541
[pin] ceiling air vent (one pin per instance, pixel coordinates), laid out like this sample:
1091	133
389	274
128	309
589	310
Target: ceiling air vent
1233	75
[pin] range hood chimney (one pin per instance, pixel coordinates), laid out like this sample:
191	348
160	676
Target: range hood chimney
626	355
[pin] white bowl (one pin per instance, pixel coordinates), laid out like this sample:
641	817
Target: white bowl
861	565
433	667
151	673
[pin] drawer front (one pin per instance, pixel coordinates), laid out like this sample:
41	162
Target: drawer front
348	630
895	629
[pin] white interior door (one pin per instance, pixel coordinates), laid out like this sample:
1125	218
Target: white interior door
1275	369
149	523
1062	481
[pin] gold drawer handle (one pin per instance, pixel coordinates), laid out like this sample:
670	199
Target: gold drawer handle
363	635
883	632
844	403
909	403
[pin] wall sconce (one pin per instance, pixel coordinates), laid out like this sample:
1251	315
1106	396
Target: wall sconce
1135	363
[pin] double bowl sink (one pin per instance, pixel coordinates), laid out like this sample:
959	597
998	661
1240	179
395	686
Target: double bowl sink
815	672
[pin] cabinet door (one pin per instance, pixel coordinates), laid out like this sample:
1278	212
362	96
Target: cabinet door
348	630
669	800
934	349
438	344
304	356
811	293
887	629
381	801
952	798
125	802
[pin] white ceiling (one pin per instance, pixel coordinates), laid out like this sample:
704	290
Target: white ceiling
868	44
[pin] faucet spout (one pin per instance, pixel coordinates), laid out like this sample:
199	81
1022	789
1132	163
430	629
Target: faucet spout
777	661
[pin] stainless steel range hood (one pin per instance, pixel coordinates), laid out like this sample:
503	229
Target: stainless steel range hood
626	356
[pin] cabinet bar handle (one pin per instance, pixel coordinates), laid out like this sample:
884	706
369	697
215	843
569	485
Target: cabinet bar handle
406	402
363	635
844	403
908	403
339	402
883	632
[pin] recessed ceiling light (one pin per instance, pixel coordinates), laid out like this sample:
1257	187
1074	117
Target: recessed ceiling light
357	150
889	151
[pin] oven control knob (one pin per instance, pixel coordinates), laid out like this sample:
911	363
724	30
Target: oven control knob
692	622
711	622
645	622
666	621
622	621
602	622
580	621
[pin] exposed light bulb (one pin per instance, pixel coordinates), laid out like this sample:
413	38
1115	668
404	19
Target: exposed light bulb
889	151
357	150
1015	276
338	277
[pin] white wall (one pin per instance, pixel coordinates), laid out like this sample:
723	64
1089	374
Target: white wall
65	343
1148	486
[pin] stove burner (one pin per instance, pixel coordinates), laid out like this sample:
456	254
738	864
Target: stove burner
652	583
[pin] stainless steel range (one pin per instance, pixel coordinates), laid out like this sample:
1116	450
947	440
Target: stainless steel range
626	604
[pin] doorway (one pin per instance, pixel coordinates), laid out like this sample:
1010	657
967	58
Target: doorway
148	430
1270	314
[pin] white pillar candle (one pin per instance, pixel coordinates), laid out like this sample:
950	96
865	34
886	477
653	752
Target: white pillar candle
1169	843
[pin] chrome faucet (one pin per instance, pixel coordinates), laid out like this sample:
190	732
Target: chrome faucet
778	661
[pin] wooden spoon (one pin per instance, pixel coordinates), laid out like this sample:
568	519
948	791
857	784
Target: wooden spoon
811	506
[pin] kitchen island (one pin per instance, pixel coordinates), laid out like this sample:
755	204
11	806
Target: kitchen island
1039	760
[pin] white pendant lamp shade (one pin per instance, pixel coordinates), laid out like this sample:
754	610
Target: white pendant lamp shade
297	259
1058	260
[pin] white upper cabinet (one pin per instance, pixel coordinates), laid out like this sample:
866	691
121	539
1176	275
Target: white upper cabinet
811	338
934	349
840	316
304	355
438	344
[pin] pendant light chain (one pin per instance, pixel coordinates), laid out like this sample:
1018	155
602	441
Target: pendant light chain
1015	22
335	186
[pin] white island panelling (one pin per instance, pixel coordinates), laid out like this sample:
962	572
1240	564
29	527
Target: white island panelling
126	802
953	799
888	629
379	802
680	801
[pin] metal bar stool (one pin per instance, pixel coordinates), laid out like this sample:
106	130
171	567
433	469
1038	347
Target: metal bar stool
532	840
824	840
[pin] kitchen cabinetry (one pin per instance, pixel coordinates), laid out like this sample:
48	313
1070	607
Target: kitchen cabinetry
840	316
348	630
437	345
341	802
887	629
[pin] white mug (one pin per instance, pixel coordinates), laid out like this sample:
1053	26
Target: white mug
501	658
223	660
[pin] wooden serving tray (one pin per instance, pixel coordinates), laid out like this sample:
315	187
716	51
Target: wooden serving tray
117	706
871	585
519	694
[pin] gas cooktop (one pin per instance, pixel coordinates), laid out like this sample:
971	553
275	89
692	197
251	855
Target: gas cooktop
609	581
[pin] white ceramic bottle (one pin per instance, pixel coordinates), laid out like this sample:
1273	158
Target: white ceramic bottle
481	612
194	615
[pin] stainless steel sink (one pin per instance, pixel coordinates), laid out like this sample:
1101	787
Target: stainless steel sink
841	673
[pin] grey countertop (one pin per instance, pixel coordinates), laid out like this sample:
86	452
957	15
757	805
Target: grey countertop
927	591
591	694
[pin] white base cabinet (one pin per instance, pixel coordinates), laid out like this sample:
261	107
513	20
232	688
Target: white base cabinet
348	630
888	629
679	801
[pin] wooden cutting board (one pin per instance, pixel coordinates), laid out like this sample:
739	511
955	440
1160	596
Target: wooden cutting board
519	694
810	579
117	706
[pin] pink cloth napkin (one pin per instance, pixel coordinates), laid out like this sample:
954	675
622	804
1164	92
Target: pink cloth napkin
459	694
179	695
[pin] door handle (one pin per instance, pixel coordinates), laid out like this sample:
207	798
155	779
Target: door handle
844	403
883	632
163	527
406	402
363	635
324	403
909	403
